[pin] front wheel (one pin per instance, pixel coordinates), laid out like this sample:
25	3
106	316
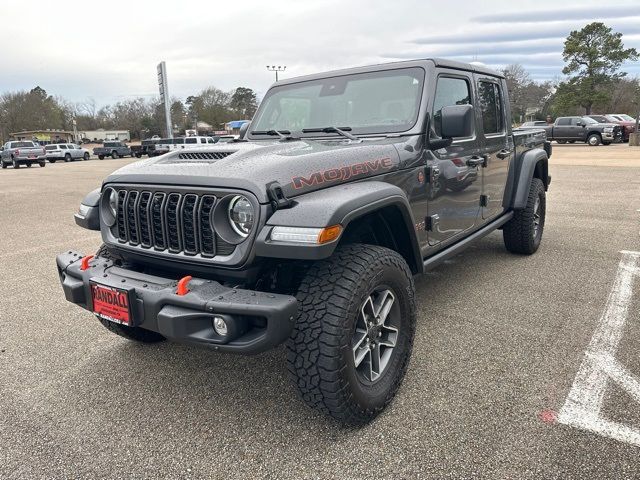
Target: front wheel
594	140
67	157
86	156
523	233
114	155
353	337
52	160
100	157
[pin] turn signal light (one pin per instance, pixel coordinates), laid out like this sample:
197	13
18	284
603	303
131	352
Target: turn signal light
329	234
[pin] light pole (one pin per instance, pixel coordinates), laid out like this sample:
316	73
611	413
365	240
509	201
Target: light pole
274	68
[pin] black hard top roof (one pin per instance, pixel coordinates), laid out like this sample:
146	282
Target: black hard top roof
438	62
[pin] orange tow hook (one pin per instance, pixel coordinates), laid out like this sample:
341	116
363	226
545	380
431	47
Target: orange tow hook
182	285
84	263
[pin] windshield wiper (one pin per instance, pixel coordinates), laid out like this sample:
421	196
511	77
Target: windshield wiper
280	133
341	131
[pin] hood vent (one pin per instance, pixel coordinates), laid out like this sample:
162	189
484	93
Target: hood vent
203	155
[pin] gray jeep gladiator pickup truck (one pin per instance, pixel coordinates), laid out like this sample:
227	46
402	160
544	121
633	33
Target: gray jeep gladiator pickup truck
310	228
113	150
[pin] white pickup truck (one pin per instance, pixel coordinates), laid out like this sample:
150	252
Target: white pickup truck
22	152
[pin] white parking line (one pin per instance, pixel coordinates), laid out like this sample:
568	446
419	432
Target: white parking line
584	402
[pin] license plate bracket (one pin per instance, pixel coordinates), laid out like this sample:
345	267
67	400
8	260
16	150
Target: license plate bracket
112	303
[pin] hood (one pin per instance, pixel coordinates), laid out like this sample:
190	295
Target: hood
299	166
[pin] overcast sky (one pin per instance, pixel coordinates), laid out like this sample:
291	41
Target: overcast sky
109	50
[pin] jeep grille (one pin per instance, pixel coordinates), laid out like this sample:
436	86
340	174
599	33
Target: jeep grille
169	221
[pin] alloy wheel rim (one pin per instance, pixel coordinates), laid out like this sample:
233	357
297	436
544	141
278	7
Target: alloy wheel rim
536	217
375	337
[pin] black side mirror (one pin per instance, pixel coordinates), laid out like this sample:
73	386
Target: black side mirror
243	130
457	121
580	124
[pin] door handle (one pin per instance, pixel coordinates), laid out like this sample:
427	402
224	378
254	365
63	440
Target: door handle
502	154
476	161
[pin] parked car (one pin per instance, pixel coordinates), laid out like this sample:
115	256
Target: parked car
22	152
146	147
66	152
311	231
582	129
627	122
165	145
113	150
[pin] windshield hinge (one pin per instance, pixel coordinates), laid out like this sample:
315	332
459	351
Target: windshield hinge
277	197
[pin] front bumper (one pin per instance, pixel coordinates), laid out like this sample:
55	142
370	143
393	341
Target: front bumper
258	321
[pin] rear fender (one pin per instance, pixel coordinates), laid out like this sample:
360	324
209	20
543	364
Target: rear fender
532	163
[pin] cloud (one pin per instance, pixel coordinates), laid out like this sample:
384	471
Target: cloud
561	14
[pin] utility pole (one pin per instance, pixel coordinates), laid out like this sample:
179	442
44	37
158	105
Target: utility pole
274	68
164	96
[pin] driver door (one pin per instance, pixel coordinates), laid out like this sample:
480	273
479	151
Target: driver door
455	186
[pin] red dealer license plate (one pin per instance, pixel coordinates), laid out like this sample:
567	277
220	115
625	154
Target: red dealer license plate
111	303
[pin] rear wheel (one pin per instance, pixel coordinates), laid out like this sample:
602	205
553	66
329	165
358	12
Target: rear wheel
100	157
523	233
351	345
4	165
15	163
42	164
67	157
114	155
52	160
594	139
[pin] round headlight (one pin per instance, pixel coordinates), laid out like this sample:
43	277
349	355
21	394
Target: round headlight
241	215
113	202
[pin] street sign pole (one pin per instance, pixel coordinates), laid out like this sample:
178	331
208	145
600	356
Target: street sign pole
164	96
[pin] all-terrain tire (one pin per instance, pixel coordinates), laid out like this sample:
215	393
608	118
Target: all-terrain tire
520	233
320	356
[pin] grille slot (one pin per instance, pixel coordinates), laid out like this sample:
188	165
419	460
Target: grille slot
172	214
203	155
177	223
144	215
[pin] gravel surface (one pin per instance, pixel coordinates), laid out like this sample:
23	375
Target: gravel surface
499	340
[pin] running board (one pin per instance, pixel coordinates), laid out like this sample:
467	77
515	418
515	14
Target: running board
432	262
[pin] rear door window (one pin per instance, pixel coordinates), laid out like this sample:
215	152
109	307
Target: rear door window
563	122
491	107
63	147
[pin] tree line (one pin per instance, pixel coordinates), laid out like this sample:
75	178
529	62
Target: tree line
143	117
593	81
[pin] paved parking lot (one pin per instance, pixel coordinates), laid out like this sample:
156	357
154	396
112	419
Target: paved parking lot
499	360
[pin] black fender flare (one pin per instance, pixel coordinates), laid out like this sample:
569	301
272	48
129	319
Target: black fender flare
89	214
332	206
529	161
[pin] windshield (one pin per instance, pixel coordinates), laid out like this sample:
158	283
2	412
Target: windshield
374	102
627	118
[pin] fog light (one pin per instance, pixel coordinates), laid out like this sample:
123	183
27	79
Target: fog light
220	326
